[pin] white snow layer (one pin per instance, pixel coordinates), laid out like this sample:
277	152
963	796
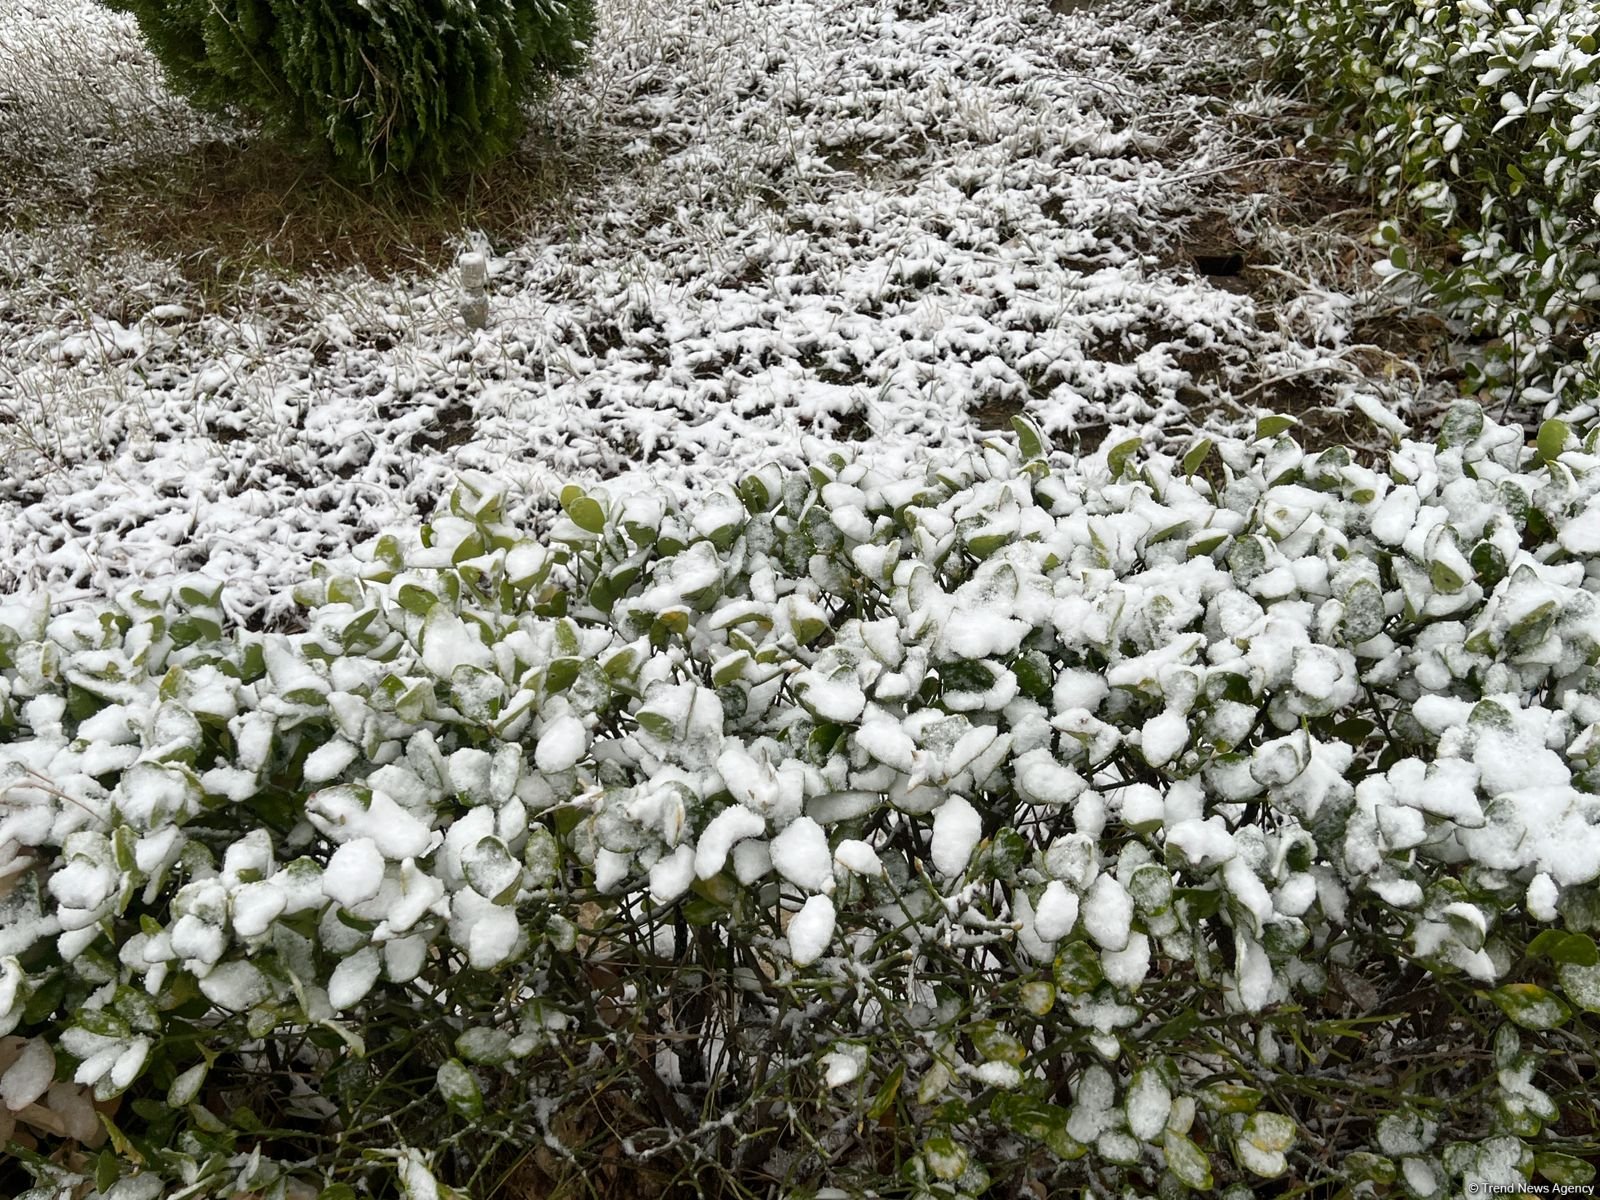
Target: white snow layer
878	230
1056	913
810	930
562	743
957	827
354	872
1108	913
800	854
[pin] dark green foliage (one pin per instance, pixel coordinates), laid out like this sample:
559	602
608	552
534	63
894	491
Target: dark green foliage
422	88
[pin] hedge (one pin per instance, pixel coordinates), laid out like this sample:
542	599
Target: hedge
1139	825
1474	123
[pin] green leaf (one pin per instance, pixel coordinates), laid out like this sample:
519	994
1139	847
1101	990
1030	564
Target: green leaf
1488	563
1268	427
1353	730
345	589
584	510
102	1022
470	546
1029	440
1563	1169
1581	984
1187	1162
994	1044
491	870
387	551
119	1141
195	596
701	912
603	594
1199	903
122	848
1444	578
1531	1006
945	1159
622	664
561	674
1231	1097
887	1091
1196	456
1037	997
1552	440
657	725
1364	1165
355	628
1462	425
1269	1131
723	536
1077	969
107	1170
459	1087
983	545
1364	612
1262	1142
755	494
1119	456
808	629
186	1087
261	1021
188	630
484	1045
1558	946
1151	889
565	638
1035	1119
411	698
416	600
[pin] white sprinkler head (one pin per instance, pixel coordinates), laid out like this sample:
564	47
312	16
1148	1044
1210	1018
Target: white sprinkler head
474	272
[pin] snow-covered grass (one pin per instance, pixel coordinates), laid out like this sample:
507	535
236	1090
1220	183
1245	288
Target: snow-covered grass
1191	812
746	224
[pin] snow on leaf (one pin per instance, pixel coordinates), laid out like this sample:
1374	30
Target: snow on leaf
800	854
1056	913
957	828
1186	1161
811	930
353	978
1530	1006
1107	913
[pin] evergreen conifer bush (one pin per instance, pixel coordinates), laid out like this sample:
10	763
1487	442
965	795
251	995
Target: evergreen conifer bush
1222	824
1475	123
422	88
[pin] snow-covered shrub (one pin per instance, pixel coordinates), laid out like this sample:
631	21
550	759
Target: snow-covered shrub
1161	823
398	87
1476	124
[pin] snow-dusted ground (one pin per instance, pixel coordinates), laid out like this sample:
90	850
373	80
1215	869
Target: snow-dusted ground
848	219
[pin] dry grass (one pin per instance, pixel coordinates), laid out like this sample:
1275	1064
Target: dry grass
232	211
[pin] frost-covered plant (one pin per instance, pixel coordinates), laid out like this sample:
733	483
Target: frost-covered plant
1138	824
1476	124
401	87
